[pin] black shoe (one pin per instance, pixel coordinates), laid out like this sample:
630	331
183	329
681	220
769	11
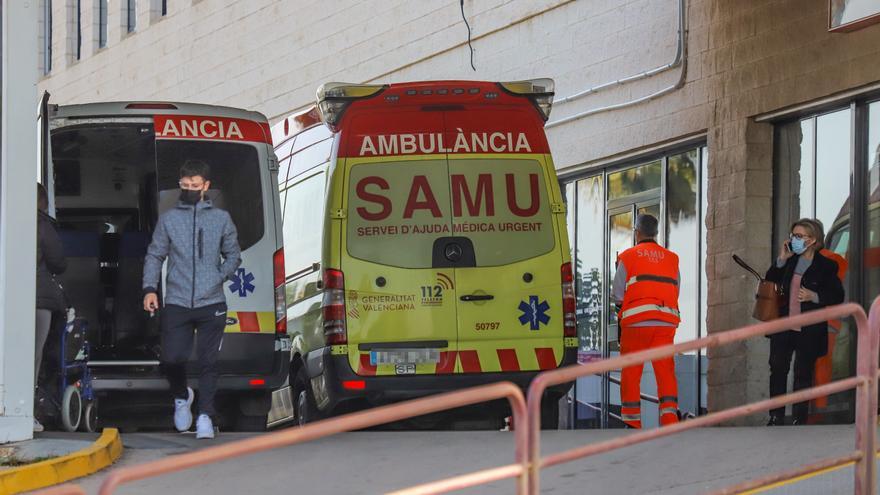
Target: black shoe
776	421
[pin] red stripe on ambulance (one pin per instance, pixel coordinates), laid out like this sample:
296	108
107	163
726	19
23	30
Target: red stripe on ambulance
365	368
248	322
508	360
202	127
447	362
470	361
546	358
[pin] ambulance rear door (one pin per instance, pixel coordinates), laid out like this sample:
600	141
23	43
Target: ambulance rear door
401	307
509	294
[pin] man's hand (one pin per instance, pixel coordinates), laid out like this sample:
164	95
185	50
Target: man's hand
151	302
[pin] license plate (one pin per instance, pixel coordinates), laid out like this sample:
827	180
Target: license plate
404	356
404	369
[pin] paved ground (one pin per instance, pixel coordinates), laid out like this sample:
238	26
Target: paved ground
375	462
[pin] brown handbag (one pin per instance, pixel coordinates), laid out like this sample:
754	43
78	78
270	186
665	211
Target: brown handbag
767	296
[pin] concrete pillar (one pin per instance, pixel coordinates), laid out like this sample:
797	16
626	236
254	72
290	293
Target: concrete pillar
18	231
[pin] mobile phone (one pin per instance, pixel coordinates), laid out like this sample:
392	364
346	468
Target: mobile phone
787	245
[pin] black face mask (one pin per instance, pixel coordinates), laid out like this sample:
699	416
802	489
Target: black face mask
190	197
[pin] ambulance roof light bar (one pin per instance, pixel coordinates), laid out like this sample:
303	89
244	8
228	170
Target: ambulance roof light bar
540	91
335	97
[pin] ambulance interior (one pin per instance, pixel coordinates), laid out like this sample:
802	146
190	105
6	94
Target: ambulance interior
105	204
111	183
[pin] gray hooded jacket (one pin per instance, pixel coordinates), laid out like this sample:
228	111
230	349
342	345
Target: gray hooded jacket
193	239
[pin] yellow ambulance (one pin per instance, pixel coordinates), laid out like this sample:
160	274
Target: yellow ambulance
425	242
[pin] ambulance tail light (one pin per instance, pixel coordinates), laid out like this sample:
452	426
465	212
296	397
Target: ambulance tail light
334	98
333	308
569	317
151	106
539	91
280	296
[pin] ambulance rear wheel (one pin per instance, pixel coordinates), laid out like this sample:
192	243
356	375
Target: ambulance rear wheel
71	408
304	408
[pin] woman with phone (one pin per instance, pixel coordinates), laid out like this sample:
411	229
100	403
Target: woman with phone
809	281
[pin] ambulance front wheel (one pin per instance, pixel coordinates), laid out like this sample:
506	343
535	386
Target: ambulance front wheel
304	407
71	408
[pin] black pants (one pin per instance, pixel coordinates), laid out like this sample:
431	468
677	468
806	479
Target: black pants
782	346
178	324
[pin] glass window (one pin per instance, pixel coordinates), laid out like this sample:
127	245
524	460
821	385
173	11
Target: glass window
634	180
282	151
47	36
794	186
235	181
78	29
872	251
620	238
102	23
303	211
304	159
410	204
131	15
833	140
589	258
682	232
379	219
812	180
283	169
503	207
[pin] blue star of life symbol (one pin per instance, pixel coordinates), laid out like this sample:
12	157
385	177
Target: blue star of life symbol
241	282
534	313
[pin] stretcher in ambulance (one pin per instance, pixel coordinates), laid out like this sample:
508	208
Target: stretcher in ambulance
426	241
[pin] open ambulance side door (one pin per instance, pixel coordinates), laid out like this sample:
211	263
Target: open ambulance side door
45	175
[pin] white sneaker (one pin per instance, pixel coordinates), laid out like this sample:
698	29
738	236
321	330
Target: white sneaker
38	427
183	416
204	427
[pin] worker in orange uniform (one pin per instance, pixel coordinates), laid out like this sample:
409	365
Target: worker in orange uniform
822	373
646	286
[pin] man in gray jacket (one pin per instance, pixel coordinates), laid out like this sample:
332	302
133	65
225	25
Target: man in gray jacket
201	245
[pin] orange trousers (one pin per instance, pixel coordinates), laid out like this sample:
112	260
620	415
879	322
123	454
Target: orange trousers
634	339
822	373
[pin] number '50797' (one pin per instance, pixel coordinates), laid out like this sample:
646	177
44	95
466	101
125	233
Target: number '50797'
487	325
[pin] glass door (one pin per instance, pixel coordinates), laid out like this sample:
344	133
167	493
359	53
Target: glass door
621	236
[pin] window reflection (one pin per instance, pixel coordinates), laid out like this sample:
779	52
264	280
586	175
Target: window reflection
872	254
590	253
832	166
620	238
681	238
634	180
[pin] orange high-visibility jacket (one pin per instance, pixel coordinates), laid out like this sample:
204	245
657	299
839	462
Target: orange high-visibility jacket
652	284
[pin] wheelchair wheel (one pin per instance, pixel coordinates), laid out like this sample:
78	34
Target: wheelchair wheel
71	408
90	417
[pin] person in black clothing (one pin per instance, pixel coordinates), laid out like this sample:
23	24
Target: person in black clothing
50	262
809	282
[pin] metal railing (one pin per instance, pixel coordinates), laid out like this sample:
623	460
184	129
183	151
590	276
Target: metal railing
865	383
349	422
527	416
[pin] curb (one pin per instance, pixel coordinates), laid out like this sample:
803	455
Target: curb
106	450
